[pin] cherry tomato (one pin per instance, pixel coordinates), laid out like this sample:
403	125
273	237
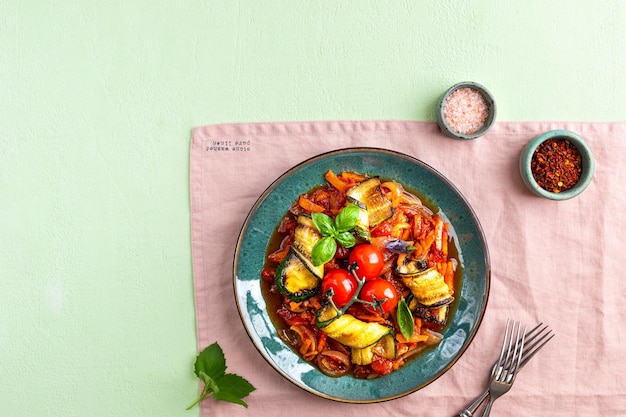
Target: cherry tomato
379	289
369	259
343	283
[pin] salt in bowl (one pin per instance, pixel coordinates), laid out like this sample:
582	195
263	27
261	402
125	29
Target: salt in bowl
466	111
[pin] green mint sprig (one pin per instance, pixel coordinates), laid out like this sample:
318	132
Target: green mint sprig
333	232
210	367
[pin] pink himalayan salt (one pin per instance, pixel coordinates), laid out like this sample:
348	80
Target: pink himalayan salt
465	110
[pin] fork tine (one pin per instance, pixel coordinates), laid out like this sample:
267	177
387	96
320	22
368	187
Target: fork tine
519	348
505	342
514	357
535	347
511	346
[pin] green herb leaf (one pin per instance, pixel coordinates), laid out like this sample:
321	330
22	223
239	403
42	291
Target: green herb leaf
209	383
210	367
346	239
211	362
324	224
323	251
233	388
405	319
347	218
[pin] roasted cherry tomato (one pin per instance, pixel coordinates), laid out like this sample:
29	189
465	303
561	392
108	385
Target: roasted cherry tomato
377	290
369	259
343	284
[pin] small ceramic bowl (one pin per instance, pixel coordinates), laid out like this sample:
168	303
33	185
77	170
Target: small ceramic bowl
463	114
588	164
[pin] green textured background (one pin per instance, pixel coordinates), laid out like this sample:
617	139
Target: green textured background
97	105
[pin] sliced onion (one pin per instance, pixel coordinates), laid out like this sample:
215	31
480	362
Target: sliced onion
290	337
307	337
412	200
406	355
433	337
333	363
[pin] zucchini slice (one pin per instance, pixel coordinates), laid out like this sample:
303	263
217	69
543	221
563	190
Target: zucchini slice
374	207
325	315
354	333
384	348
295	280
412	267
437	315
306	236
429	288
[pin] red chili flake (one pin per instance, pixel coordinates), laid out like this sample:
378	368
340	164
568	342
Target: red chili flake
556	165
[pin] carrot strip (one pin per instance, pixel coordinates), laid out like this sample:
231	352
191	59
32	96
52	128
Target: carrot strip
441	267
335	181
395	192
444	242
398	229
428	241
448	276
321	342
353	177
310	206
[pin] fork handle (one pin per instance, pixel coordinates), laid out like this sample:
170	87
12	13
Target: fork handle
487	410
471	408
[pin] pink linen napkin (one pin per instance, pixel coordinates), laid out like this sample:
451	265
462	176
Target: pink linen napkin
559	263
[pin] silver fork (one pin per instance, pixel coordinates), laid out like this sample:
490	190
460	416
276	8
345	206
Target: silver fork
536	338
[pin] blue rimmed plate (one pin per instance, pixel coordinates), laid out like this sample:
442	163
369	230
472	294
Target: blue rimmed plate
414	174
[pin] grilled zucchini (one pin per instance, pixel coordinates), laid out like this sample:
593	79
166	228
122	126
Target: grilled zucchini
352	332
306	236
384	348
429	288
295	280
374	207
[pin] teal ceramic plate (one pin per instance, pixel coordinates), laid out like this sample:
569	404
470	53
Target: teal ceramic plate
414	174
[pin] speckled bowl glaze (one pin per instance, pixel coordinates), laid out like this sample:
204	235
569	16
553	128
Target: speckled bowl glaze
491	117
472	296
588	164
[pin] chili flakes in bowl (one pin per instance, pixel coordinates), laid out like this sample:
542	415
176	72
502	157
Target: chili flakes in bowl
557	165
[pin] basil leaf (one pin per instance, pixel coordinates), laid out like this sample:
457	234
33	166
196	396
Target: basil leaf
345	239
323	251
323	223
405	319
347	218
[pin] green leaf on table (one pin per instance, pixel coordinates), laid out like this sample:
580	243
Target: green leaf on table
211	362
405	319
233	388
210	368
